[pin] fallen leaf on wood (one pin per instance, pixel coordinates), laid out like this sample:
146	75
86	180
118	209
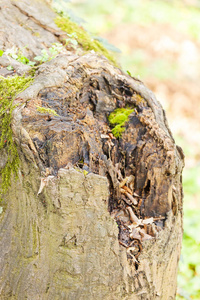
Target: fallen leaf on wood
127	189
124	245
145	236
105	136
133	217
69	166
148	221
131	226
154	229
118	171
44	182
129	250
111	136
127	201
133	200
135	234
159	218
131	182
110	143
136	195
123	182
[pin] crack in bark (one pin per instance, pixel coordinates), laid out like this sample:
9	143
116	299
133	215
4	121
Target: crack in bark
38	22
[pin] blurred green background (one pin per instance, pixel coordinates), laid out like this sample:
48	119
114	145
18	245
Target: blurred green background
159	42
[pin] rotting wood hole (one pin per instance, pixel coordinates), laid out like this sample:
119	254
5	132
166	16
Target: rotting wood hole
128	211
127	197
147	187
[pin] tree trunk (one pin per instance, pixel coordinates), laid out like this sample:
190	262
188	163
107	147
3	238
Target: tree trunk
91	215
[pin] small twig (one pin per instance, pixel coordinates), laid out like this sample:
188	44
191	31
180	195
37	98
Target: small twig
133	200
133	217
136	195
131	254
121	243
159	218
144	235
135	234
154	229
44	182
123	182
127	201
131	182
127	189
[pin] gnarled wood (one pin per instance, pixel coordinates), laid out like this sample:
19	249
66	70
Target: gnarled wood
66	232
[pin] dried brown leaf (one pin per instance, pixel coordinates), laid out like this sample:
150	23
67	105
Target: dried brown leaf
134	201
105	136
148	221
127	189
133	217
123	182
145	236
135	234
44	182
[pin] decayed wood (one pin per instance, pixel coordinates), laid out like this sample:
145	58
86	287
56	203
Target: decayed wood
91	216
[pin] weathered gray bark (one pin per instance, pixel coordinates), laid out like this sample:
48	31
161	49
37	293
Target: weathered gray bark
64	242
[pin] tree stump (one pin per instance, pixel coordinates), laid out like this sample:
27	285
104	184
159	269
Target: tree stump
91	215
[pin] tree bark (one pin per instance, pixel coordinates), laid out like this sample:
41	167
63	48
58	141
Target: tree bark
91	216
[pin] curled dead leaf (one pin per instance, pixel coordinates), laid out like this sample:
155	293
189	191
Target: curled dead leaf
133	217
145	236
134	201
136	195
105	136
148	221
135	234
44	182
127	189
129	251
131	198
123	182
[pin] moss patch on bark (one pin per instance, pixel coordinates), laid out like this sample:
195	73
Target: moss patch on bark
45	110
83	37
9	88
118	118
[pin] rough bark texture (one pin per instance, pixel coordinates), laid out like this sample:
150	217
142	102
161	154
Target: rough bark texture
69	234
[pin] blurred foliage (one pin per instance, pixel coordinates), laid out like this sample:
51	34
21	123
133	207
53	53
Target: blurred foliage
139	61
189	266
102	17
185	18
82	37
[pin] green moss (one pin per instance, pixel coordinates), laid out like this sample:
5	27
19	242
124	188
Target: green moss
118	118
83	37
139	99
84	172
45	110
9	88
37	34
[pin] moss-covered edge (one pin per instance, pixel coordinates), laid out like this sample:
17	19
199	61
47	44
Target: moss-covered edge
83	38
118	118
45	110
9	88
